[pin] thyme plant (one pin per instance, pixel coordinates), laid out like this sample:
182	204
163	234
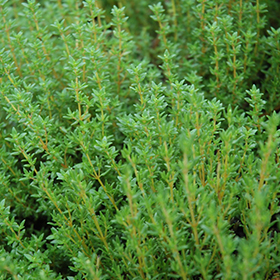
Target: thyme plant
139	139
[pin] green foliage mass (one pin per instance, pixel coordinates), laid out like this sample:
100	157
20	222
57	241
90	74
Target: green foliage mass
139	140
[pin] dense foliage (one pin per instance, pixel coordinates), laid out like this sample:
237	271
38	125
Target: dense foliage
139	140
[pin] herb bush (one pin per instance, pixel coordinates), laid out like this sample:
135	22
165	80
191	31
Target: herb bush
139	140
